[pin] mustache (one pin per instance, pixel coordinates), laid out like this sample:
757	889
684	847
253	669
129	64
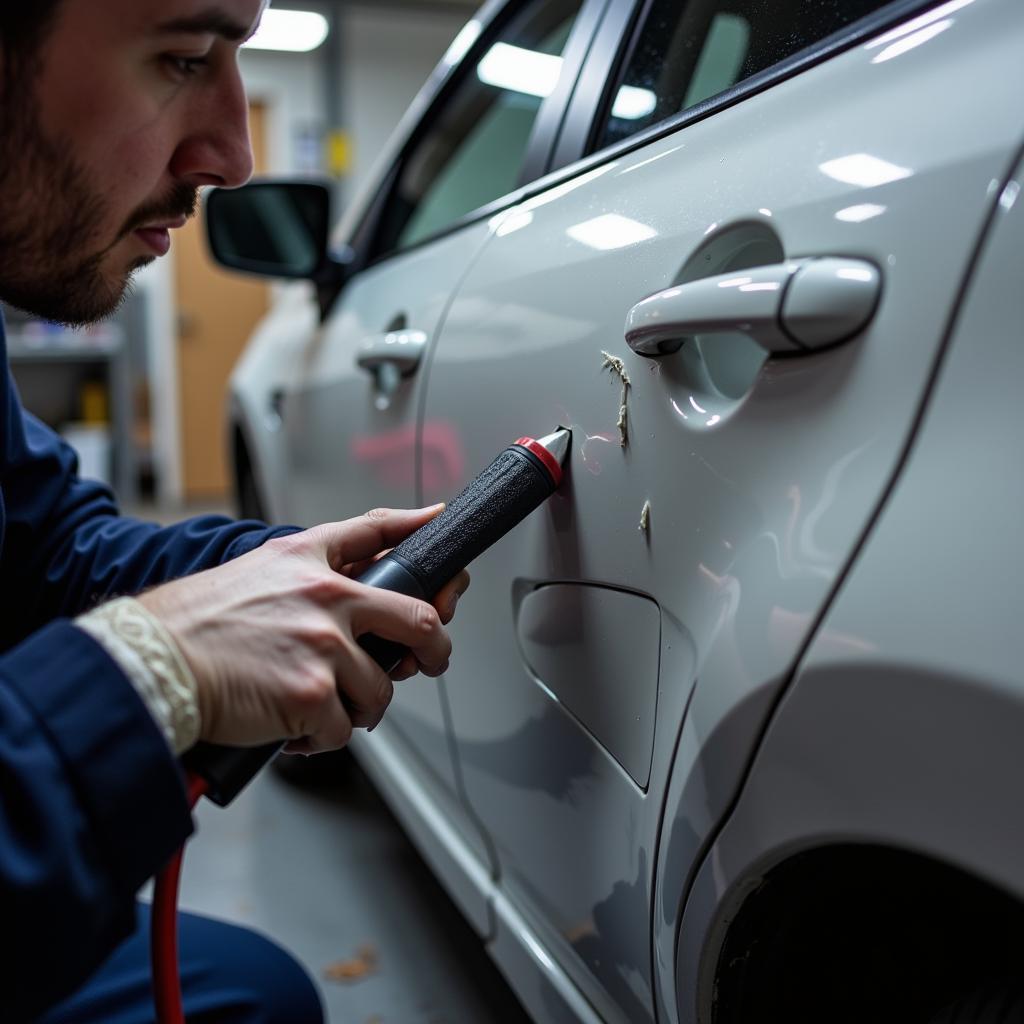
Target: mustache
181	201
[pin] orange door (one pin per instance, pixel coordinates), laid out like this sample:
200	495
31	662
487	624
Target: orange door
217	312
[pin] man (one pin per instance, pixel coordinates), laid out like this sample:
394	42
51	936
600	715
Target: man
113	114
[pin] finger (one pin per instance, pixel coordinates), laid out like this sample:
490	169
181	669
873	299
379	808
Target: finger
356	569
448	596
356	539
332	729
411	623
406	668
364	689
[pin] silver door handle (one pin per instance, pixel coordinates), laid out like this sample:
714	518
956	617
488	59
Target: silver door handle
401	349
796	306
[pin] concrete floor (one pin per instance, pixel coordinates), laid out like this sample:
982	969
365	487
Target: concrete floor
326	872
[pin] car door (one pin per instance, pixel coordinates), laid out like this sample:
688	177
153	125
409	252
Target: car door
747	164
350	407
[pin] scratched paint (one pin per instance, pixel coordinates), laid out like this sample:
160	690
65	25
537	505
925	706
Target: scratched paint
618	367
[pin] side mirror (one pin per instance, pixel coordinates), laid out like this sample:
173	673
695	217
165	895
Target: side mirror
271	228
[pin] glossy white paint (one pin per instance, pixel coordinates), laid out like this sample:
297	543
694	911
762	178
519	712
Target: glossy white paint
761	476
257	381
352	441
755	509
904	724
431	816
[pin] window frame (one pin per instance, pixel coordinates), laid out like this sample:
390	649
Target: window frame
608	27
494	17
614	44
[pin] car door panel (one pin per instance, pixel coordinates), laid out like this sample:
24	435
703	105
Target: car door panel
351	411
351	442
758	477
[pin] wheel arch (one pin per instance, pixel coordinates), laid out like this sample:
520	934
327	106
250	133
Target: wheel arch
876	787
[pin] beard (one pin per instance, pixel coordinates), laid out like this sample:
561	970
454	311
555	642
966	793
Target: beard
54	260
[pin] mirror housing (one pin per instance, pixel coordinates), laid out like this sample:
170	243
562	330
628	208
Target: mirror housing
274	229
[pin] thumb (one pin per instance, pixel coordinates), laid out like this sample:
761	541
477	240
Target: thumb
354	540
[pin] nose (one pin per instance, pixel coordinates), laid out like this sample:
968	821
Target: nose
216	149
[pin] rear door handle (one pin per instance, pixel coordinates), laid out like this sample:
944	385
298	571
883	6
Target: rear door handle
392	356
787	308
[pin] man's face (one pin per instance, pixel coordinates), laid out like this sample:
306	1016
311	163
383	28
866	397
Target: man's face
128	108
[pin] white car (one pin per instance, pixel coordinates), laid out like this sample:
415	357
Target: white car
734	725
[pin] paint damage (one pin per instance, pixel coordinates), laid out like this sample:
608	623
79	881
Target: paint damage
618	367
645	518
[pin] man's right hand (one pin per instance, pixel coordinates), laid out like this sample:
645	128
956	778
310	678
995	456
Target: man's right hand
271	636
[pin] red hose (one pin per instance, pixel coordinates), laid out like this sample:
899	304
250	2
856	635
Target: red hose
164	929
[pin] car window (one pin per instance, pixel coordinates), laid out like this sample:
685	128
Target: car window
684	53
473	150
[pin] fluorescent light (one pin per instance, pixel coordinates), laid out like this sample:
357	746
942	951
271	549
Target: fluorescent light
611	231
459	46
514	221
294	31
632	103
568	186
864	169
918	23
901	46
860	212
519	69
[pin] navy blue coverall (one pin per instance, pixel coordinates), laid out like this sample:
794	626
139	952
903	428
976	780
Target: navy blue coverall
92	800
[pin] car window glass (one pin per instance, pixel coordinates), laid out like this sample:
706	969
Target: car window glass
473	151
685	53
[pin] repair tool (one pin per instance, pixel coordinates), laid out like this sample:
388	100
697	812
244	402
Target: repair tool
508	490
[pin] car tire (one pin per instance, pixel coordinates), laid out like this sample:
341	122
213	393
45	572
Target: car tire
250	505
995	1003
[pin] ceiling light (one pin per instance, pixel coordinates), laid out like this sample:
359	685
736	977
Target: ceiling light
611	231
864	170
632	103
520	70
294	31
860	212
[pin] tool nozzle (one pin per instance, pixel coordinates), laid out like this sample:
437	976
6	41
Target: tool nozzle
557	443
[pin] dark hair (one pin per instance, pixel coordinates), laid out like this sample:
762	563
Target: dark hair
23	27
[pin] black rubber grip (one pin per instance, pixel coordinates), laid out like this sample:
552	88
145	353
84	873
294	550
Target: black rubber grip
389	573
504	494
227	770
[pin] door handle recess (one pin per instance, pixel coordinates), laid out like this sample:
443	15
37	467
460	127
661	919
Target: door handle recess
401	349
392	356
787	308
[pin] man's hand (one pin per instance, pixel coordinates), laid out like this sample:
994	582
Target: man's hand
271	636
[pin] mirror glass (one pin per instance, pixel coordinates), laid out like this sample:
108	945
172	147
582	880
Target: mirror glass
278	229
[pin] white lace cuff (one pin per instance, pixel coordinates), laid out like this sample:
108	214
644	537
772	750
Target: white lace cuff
150	658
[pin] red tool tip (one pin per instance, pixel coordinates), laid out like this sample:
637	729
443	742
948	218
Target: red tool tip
551	464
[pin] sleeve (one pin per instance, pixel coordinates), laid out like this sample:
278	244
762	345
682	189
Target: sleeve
93	805
93	801
66	547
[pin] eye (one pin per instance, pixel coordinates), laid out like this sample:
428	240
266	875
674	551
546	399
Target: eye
186	67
